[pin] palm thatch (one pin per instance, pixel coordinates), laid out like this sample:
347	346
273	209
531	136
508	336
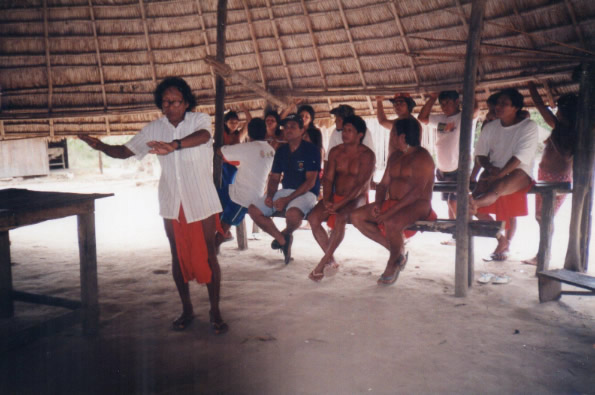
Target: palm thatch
90	66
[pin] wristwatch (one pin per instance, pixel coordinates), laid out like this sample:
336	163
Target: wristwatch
178	144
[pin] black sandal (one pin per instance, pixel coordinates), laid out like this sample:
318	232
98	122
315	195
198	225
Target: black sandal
182	322
218	327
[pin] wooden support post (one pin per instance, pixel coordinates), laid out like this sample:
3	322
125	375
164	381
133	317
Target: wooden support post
88	262
100	159
582	169
242	236
462	262
471	260
546	227
219	89
587	220
6	303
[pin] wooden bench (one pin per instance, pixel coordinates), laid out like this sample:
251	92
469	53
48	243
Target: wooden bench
550	284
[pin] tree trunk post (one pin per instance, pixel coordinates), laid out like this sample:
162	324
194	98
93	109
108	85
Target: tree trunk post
219	89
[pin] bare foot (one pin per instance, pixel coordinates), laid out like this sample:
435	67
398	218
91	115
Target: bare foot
532	261
315	276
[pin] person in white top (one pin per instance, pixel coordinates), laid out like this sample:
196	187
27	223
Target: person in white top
506	151
341	112
188	200
255	162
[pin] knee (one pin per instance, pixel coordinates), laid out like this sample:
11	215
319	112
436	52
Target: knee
314	218
294	215
254	211
341	220
357	218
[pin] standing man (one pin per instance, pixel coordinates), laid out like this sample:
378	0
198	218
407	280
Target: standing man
448	130
403	105
188	200
298	162
345	186
341	112
408	180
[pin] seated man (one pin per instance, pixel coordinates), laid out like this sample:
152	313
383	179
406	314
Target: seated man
345	187
408	180
298	162
254	161
506	151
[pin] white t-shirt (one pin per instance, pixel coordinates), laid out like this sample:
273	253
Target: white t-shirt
186	174
256	161
448	132
336	139
501	143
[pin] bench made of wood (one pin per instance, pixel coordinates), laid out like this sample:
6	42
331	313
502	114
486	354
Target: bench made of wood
550	284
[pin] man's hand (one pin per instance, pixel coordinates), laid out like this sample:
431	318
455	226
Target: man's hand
161	148
281	203
376	211
93	142
433	95
268	201
380	98
329	207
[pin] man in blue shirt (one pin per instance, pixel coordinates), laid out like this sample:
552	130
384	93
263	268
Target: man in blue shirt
298	162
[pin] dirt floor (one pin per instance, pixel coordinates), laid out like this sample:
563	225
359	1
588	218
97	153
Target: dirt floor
288	334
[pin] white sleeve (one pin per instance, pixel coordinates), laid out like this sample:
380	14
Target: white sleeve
482	148
233	152
138	143
526	146
202	121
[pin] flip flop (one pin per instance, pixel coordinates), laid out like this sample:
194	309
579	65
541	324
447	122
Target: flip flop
182	322
389	280
496	257
449	242
330	269
500	280
316	277
218	327
485	278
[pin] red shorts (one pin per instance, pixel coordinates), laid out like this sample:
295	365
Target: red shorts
331	218
509	206
407	233
192	250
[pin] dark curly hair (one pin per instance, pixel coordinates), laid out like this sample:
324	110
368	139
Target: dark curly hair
179	84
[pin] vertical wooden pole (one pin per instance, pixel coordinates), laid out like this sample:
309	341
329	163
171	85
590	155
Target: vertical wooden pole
6	303
100	159
219	89
88	262
462	263
584	156
587	220
242	235
546	226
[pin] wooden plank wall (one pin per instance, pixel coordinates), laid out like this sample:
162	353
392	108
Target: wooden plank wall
27	157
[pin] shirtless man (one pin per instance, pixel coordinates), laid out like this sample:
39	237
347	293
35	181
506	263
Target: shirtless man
345	186
408	180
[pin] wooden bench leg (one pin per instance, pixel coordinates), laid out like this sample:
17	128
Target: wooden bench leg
6	302
471	264
242	236
545	231
88	262
549	289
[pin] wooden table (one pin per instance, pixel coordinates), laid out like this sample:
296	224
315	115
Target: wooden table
21	207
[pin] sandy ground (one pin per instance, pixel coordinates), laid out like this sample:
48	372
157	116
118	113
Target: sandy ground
289	335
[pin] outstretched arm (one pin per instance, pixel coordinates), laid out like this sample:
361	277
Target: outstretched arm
114	151
192	140
545	112
296	102
424	113
380	115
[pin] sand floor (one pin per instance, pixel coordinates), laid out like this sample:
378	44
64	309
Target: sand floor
288	335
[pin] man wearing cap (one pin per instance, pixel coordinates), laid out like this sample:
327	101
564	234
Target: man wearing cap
403	105
298	164
448	130
341	112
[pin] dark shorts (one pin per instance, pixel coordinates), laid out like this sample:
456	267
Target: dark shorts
447	176
233	213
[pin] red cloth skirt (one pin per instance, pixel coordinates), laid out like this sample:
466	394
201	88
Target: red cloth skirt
509	206
192	250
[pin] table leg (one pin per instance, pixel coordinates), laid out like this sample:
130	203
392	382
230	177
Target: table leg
6	302
545	230
88	261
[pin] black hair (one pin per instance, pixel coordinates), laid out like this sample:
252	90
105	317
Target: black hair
308	108
229	115
273	113
453	95
517	100
564	133
179	84
315	136
410	128
410	104
358	123
493	99
257	129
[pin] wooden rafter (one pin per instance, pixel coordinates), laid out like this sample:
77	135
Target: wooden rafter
48	63
108	129
205	38
314	44
575	24
148	40
255	43
354	52
98	54
279	46
395	13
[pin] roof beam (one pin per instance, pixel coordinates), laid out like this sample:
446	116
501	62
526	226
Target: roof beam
254	43
147	40
354	52
97	53
48	64
393	9
279	46
577	28
314	44
205	39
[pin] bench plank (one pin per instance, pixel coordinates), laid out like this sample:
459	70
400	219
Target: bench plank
550	284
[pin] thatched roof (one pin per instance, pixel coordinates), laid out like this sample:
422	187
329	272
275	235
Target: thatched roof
71	66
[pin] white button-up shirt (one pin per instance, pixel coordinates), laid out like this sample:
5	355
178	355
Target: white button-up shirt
186	174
